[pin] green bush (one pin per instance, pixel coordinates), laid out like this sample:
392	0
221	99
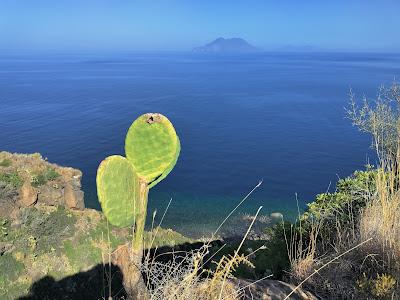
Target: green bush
43	177
10	268
51	174
45	229
12	179
352	194
38	180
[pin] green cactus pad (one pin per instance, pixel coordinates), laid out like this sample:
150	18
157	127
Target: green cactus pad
152	146
118	190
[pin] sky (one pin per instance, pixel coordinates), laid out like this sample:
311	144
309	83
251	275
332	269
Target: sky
125	25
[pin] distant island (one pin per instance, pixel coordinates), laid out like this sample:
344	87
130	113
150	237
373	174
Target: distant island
222	45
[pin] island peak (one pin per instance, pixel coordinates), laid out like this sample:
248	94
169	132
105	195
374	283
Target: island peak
224	45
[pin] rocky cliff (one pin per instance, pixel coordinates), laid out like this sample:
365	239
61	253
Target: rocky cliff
28	179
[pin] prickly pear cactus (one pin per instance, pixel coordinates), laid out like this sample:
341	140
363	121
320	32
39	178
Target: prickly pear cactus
118	190
153	147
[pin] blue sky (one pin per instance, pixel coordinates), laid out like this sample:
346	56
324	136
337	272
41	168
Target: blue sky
181	25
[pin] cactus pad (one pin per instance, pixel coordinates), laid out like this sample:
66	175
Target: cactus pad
118	190
152	146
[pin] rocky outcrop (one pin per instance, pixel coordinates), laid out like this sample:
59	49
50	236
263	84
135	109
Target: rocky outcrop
28	195
73	196
29	179
271	290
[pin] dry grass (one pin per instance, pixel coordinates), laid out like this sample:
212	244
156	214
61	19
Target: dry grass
182	278
302	250
373	237
381	218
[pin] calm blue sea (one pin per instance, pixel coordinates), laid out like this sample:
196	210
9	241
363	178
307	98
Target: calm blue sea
273	116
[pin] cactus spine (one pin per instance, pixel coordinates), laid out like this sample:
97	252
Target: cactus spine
152	148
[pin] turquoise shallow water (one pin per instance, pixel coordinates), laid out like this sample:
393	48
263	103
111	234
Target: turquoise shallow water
272	116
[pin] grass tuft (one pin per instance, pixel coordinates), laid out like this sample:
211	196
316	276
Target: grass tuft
5	163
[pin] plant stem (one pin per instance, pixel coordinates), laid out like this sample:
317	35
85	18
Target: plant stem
129	259
137	244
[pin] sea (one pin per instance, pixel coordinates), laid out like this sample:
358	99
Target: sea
274	117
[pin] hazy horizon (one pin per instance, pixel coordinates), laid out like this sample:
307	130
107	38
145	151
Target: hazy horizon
101	26
115	52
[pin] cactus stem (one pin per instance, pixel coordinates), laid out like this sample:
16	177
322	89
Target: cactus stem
137	244
130	262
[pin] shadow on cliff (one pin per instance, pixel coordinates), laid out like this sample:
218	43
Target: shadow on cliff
95	283
92	284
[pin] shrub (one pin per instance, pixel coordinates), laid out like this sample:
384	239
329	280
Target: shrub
43	177
12	179
51	174
352	194
380	118
382	286
11	268
38	180
45	230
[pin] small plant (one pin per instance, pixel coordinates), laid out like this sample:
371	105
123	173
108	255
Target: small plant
12	179
32	242
37	180
51	174
5	163
4	227
43	177
381	287
152	148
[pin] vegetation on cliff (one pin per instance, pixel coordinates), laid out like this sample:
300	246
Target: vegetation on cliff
346	245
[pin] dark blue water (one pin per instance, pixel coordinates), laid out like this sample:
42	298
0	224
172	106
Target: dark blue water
270	116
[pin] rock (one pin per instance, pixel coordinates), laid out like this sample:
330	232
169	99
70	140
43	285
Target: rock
276	216
28	195
271	290
73	198
50	196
